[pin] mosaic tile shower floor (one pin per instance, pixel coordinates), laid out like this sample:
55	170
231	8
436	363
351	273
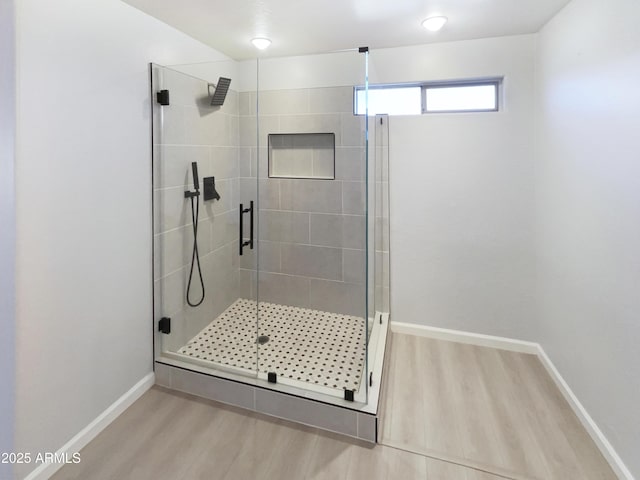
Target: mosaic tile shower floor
322	348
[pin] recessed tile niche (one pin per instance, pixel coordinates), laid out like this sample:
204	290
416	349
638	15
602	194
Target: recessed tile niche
302	155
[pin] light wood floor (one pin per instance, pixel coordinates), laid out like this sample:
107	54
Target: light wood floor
170	436
489	408
449	412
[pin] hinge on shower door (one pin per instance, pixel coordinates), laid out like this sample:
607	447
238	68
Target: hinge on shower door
162	97
164	325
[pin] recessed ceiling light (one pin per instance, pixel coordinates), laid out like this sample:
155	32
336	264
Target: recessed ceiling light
434	24
261	43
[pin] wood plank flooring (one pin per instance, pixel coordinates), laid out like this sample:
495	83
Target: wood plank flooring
168	435
492	409
449	412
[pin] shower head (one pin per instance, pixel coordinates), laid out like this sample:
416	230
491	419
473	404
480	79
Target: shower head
221	89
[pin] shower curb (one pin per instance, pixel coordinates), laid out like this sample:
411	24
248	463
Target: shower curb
333	418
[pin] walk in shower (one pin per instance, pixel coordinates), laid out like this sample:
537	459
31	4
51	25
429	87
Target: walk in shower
271	242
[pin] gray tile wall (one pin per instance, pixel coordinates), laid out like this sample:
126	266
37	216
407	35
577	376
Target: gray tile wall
185	131
312	231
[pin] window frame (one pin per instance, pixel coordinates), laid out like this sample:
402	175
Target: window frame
496	82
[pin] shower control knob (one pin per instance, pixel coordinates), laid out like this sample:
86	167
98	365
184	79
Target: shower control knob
210	192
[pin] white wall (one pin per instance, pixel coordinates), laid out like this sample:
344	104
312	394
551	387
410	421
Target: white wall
461	188
84	331
8	229
305	71
588	199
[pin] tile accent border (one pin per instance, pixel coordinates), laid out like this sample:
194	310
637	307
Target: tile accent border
603	444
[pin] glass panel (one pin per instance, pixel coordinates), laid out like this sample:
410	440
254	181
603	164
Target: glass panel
462	98
204	286
378	246
382	215
303	302
378	251
312	283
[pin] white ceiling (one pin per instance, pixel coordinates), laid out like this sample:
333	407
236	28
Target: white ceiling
299	27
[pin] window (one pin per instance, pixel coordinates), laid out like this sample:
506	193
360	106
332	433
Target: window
390	100
478	97
442	97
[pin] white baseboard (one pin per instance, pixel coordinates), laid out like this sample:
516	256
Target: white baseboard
607	450
466	337
91	431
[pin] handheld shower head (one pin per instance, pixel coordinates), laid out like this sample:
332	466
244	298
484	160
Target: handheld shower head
220	93
194	171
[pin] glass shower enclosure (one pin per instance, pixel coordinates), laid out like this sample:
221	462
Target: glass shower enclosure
271	225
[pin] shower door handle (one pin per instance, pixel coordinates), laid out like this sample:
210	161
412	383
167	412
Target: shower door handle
248	243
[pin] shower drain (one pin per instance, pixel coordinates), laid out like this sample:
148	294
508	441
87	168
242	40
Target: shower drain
262	339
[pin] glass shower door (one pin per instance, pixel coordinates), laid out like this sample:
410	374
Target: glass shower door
205	305
312	281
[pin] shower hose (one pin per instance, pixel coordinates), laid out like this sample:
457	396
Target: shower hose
195	256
